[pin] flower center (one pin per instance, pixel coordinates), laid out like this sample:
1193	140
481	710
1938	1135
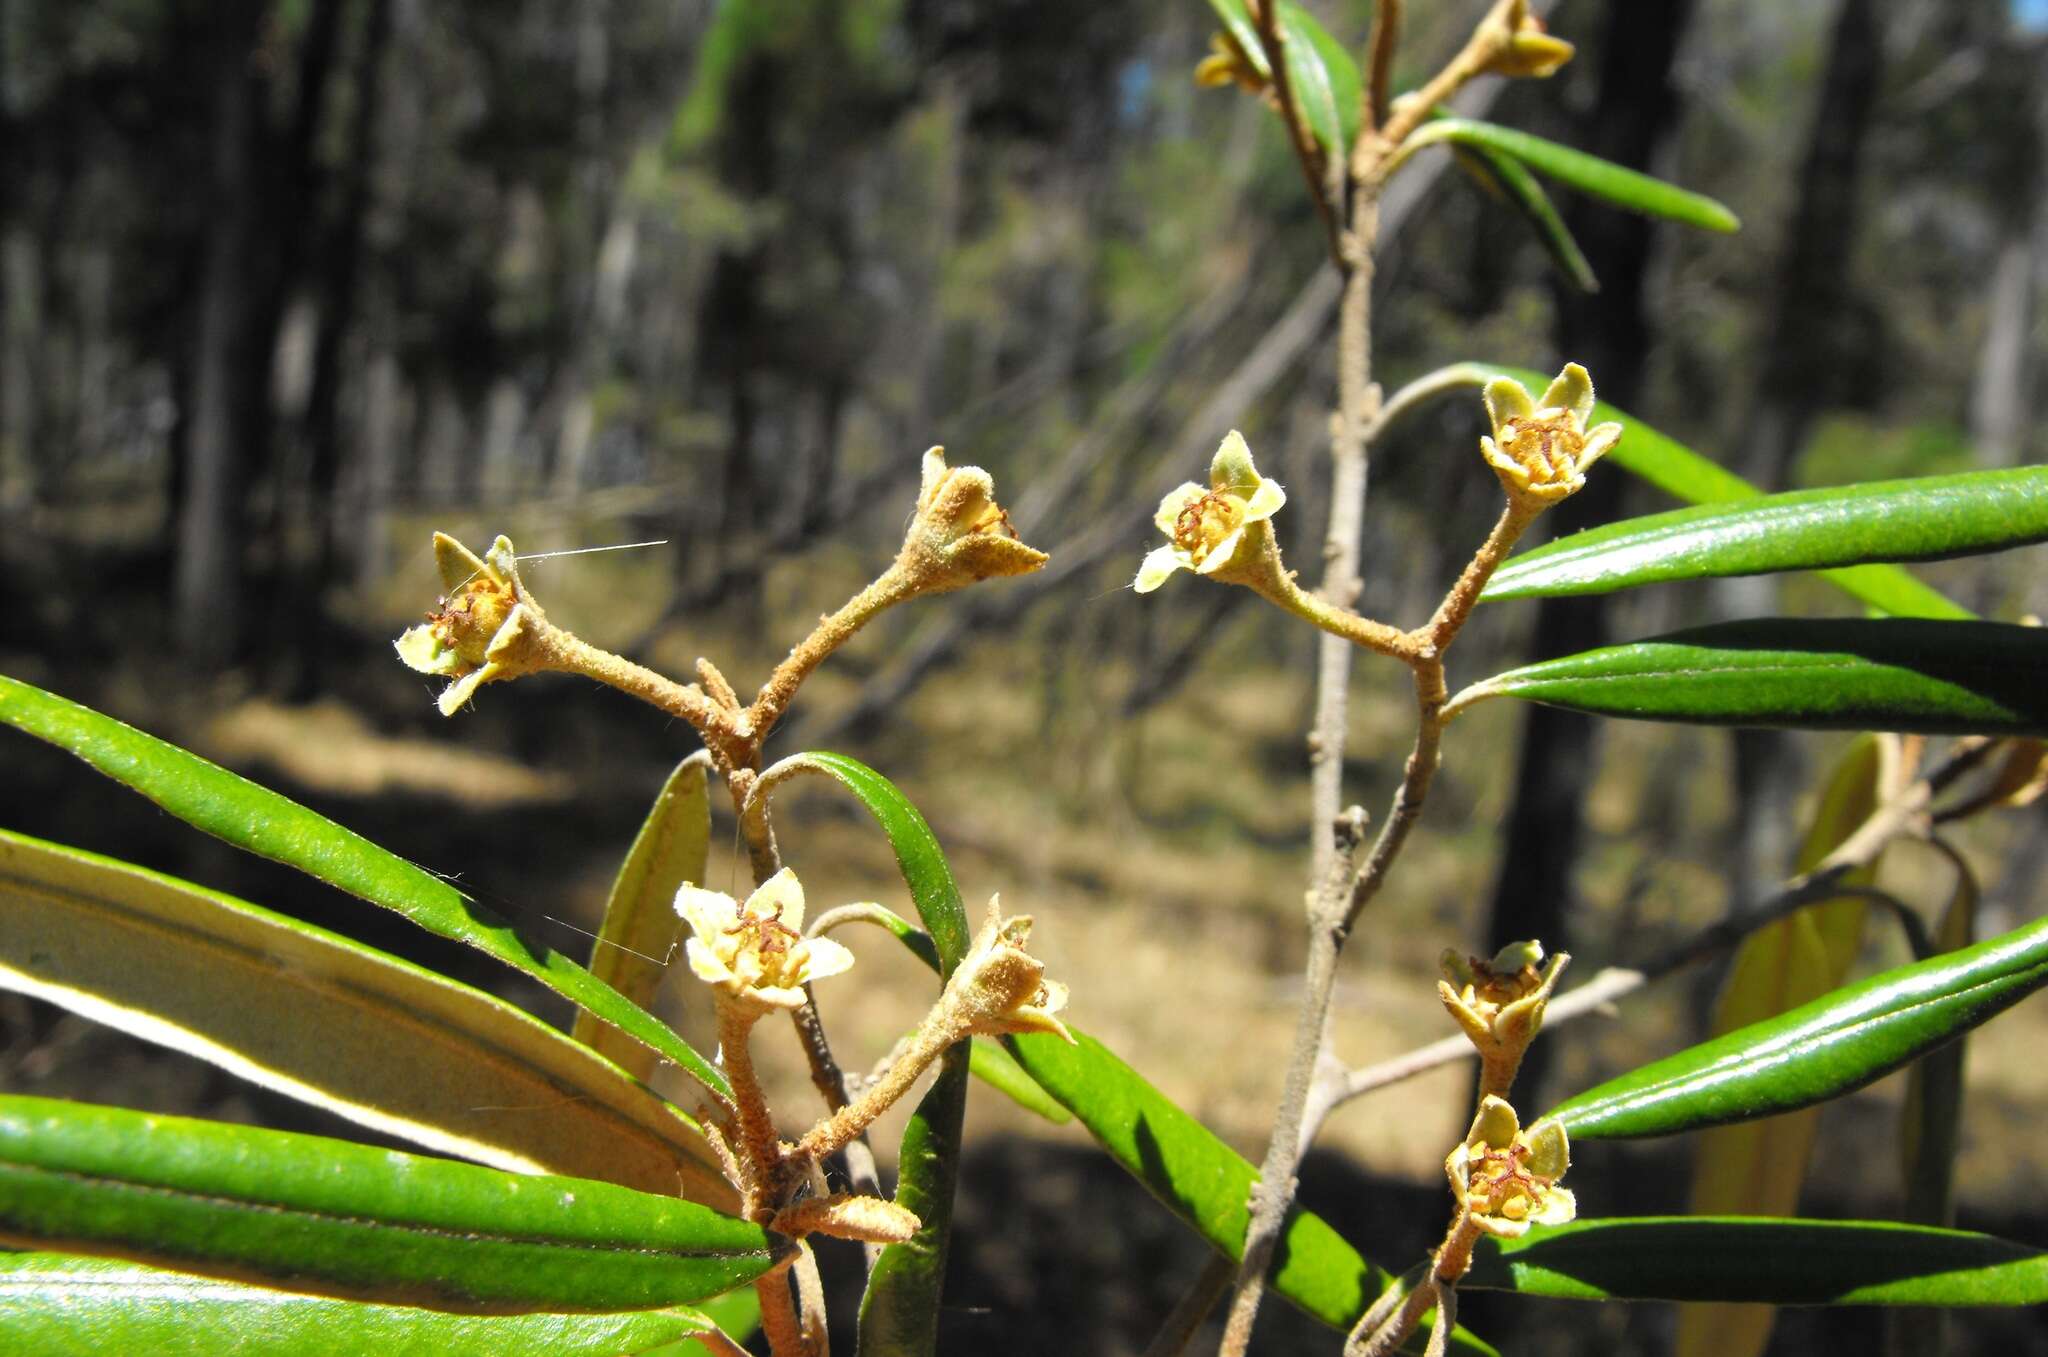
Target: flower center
1205	522
1549	449
1503	1186
774	945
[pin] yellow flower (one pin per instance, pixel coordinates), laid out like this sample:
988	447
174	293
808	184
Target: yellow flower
1000	988
1228	64
1500	1002
1214	531
482	629
960	534
1531	52
1541	452
1505	1178
756	953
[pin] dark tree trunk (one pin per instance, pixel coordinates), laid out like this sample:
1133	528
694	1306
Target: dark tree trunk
1610	333
1813	337
209	582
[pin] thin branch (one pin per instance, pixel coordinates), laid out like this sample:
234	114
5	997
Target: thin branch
1194	1306
1386	34
1265	18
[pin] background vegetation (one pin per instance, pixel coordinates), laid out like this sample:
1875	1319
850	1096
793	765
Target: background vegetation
287	281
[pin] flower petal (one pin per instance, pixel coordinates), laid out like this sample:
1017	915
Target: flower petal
457	694
1265	501
1600	440
1232	469
1554	1206
931	471
1495	1124
781	892
1222	553
1550	1151
422	650
708	913
1176	500
1573	391
1156	566
455	563
705	964
825	958
1506	399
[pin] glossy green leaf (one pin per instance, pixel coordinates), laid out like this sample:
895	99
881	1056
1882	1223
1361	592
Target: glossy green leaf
1202	1180
1781	1262
233	808
1819	1050
1320	71
1951	678
1654	456
899	1315
1507	180
1588	174
329	1217
641	926
1925	519
60	1305
331	1022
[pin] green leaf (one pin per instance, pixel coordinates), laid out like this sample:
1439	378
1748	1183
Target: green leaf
1589	174
996	1067
1952	678
1320	71
1202	1180
233	808
333	1023
1514	185
1656	457
1780	1262
1925	519
899	1315
641	926
58	1305
309	1214
1819	1050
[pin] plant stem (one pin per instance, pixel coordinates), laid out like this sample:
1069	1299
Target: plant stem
778	1316
1386	33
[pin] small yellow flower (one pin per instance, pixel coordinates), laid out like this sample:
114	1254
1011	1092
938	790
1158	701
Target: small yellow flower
1499	1003
1227	64
1214	531
1530	51
1000	988
482	629
755	953
960	535
1505	1178
1541	452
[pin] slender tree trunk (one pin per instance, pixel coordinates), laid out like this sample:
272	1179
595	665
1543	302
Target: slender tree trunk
1805	348
1610	333
209	593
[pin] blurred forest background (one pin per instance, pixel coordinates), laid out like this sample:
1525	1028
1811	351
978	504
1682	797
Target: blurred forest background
286	284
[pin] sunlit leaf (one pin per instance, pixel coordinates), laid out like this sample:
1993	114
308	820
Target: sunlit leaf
334	1023
1820	1050
233	808
1512	184
327	1217
1924	519
1780	1262
1320	72
60	1305
1202	1180
641	925
1589	174
1806	673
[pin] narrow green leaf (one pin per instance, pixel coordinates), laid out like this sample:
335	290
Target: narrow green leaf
233	808
1949	678
333	1023
1654	456
328	1217
1820	1050
1925	519
1202	1180
1511	183
641	926
996	1067
1589	174
1320	71
1779	1262
59	1305
900	1311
